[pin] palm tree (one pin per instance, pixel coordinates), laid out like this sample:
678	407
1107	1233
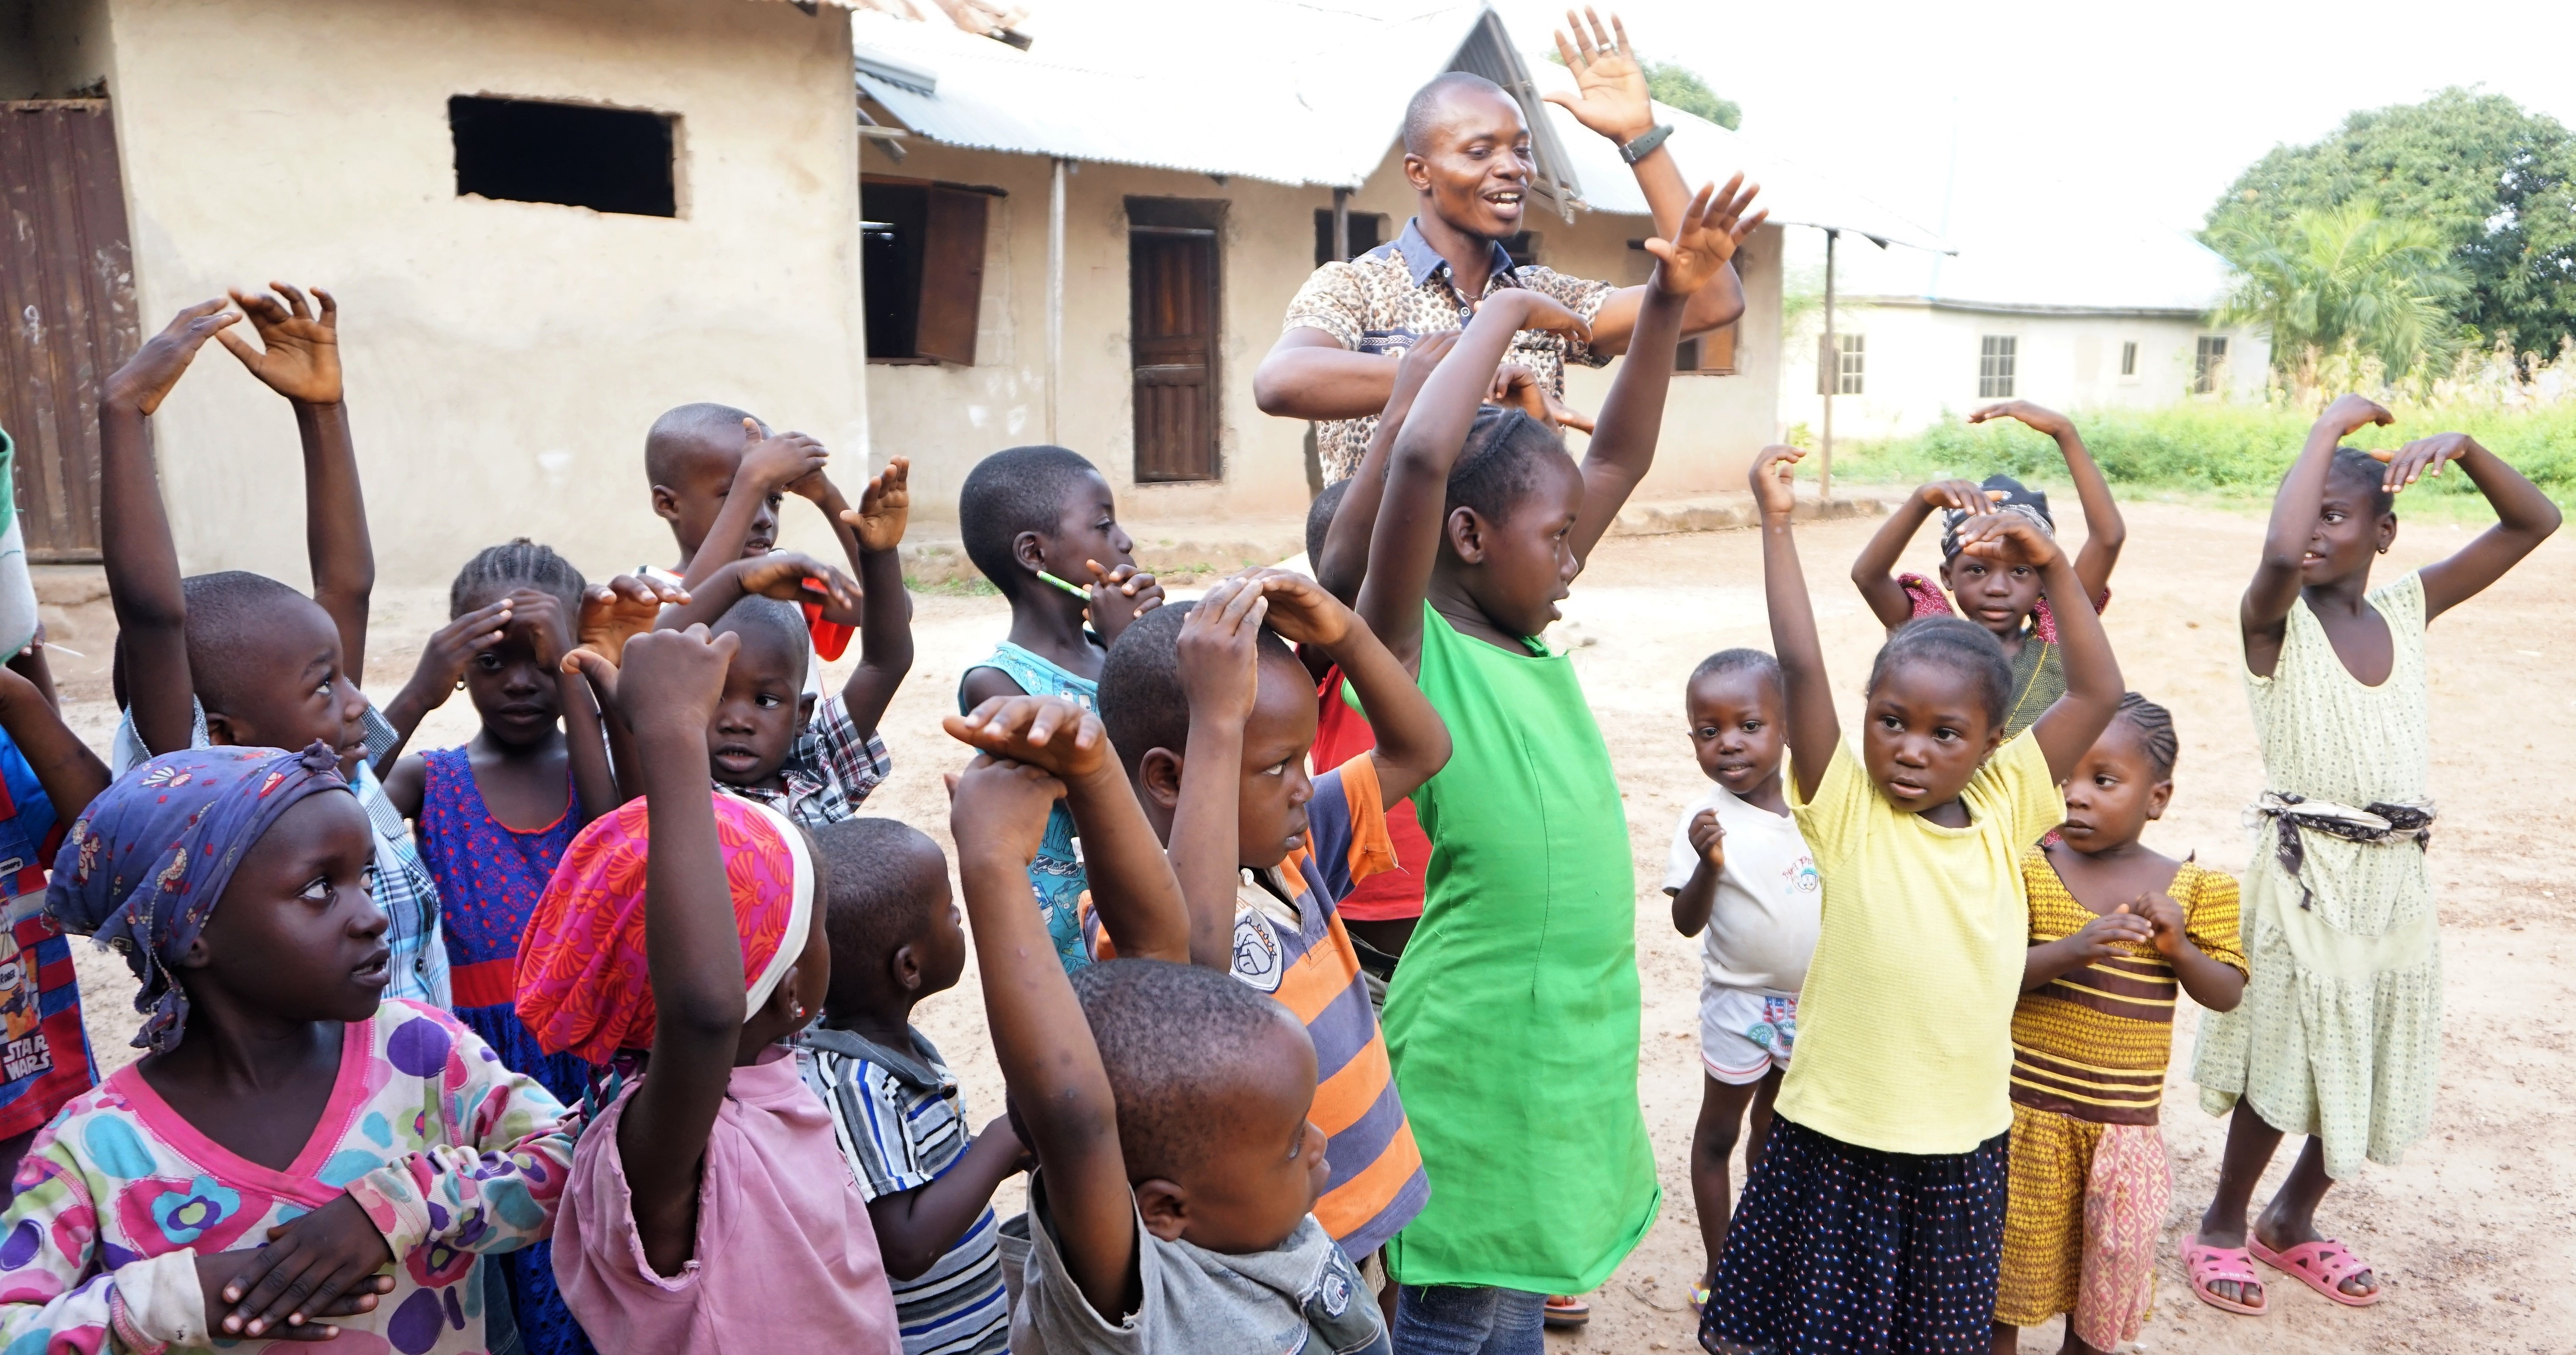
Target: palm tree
2341	280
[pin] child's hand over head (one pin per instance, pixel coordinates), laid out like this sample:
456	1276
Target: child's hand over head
1775	490
1415	365
541	615
1516	386
773	465
672	679
2350	413
2103	937
2008	538
1958	496
2047	421
885	506
1713	227
1299	608
1219	654
1708	838
309	1264
1001	807
791	577
1610	93
617	611
301	360
146	378
452	646
1049	733
1118	597
2171	933
2422	457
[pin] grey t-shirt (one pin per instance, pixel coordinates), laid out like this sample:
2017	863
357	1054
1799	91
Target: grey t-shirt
1302	1297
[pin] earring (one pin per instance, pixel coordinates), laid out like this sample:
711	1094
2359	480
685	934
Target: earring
460	684
2383	550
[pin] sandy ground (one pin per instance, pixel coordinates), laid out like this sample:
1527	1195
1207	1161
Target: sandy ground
2466	1233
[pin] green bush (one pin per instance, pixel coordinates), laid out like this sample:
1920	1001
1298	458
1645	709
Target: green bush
2232	450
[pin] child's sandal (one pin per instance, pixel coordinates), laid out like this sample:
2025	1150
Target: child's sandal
2222	1265
1564	1311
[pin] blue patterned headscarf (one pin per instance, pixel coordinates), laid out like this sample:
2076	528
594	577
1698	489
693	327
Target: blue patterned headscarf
144	865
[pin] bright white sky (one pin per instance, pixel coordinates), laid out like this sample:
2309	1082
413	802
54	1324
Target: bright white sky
2089	110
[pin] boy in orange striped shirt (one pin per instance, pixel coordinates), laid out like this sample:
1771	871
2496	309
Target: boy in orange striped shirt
1265	854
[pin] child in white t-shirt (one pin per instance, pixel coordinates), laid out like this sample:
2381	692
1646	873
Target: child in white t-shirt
1741	878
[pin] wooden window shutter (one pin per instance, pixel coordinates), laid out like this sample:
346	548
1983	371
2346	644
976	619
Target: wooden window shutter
952	276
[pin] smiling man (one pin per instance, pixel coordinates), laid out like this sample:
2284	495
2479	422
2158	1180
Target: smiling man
1467	155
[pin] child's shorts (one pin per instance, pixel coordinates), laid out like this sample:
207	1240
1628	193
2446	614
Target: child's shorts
1744	1033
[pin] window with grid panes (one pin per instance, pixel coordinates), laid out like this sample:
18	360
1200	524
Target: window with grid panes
1996	356
1851	360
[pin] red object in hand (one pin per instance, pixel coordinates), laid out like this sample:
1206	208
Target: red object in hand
831	638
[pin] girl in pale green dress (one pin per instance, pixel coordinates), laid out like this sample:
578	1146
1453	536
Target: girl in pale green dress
2339	1035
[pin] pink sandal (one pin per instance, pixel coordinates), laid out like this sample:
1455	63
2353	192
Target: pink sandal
2322	1265
2222	1265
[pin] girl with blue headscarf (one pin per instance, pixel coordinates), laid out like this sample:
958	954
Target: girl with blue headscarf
377	1148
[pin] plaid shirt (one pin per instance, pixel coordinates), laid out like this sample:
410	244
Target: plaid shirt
1387	299
833	767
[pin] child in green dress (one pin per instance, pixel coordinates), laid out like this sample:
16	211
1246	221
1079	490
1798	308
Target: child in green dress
1512	1023
2339	1036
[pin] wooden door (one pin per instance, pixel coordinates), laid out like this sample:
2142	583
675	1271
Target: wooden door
67	295
1172	318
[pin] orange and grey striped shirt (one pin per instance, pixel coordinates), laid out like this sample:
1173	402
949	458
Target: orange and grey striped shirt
2093	1043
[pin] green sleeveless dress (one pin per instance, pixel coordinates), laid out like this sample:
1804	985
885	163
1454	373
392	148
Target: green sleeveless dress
1512	1021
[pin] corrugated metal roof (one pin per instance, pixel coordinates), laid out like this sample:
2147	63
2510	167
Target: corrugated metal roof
2051	264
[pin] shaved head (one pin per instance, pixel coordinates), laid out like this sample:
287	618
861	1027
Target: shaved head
1432	103
684	432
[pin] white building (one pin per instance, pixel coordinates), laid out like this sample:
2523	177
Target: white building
2046	311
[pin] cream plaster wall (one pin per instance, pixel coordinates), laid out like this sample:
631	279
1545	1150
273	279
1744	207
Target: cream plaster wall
947	417
504	359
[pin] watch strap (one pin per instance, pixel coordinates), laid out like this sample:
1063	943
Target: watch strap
1645	145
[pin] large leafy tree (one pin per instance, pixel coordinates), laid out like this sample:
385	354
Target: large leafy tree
1681	87
2495	182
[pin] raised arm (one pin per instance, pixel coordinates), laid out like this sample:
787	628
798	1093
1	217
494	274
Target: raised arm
594	780
611	614
1346	542
670	685
1873	571
1611	98
2264	615
442	666
875	530
1622	448
134	531
1405	542
2524	516
1814	729
2104	532
71	774
299	358
2067	729
1412	740
768	467
785	575
1132	886
1219	658
997	815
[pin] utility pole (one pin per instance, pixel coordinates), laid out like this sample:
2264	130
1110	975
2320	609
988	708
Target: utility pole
1829	374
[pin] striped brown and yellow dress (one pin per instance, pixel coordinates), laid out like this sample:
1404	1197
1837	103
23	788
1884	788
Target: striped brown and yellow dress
2090	1050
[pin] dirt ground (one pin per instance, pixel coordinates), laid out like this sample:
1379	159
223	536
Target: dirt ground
2466	1233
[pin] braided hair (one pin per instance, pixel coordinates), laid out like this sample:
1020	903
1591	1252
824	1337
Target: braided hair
522	563
2155	732
1964	647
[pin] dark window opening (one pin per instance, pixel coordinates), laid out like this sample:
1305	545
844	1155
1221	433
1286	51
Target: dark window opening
606	159
1523	247
1712	353
1368	231
921	261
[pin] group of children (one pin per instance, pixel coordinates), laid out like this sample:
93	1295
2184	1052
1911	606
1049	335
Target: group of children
1304	914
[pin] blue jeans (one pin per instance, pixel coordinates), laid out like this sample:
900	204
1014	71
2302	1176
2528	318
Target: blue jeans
1450	1319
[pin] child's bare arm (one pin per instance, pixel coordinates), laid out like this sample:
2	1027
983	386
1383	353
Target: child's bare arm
1698	894
1813	727
2524	516
1131	880
134	531
299	357
1405	542
827	496
784	575
594	782
917	1227
2104	531
875	531
1873	571
71	774
2214	984
768	468
2067	729
611	614
1219	660
997	815
2264	615
1622	449
1412	739
670	685
1346	542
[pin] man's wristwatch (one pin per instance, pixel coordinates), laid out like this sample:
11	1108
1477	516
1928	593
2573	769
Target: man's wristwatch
1645	145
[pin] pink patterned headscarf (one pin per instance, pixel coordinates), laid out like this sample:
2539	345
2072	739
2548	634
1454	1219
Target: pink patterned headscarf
585	986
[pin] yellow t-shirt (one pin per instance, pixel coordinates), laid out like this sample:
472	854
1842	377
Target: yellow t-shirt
1905	1024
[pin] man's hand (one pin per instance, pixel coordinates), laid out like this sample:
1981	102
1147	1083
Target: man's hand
1713	228
1300	610
1049	733
2351	413
1118	597
301	360
2105	936
2171	928
885	506
1219	651
617	611
307	1266
1001	807
452	646
2046	421
146	378
1610	94
672	679
774	463
2422	457
2008	538
1774	491
1708	838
